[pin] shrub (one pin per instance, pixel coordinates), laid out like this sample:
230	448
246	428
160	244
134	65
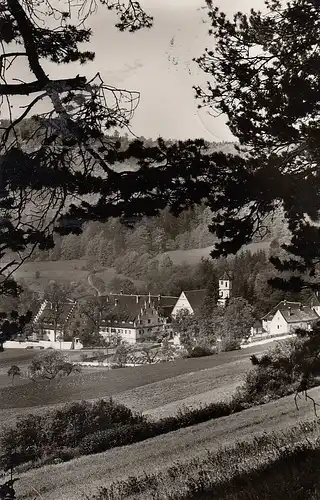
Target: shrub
288	367
119	436
21	443
229	344
199	351
34	437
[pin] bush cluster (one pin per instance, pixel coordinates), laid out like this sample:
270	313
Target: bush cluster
292	365
86	428
54	434
199	351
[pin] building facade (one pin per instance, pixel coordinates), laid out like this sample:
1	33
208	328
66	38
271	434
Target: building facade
225	289
286	317
136	318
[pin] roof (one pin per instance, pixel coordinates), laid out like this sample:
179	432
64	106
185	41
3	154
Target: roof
48	313
195	297
302	314
226	276
293	312
279	307
128	307
313	301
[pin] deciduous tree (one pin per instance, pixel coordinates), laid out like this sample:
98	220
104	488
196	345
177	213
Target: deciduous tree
14	371
49	365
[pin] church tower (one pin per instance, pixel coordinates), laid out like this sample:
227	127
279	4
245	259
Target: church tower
225	289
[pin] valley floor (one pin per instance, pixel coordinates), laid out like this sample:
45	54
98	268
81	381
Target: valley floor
70	481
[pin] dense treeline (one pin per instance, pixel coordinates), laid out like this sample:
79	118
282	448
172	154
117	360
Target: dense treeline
105	243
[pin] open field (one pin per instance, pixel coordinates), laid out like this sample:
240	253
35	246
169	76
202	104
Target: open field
105	383
63	271
69	481
195	255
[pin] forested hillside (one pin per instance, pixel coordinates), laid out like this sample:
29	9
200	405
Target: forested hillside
136	251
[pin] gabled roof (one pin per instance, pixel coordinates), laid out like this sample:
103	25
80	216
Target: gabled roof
303	314
128	307
48	315
195	297
293	312
279	307
226	276
313	301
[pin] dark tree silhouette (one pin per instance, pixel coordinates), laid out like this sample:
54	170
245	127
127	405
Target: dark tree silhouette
59	167
264	76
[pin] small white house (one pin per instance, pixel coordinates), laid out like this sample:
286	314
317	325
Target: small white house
287	316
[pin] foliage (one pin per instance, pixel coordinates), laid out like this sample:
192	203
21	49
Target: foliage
186	326
34	437
199	351
291	366
123	354
100	356
238	317
90	313
14	371
269	92
49	365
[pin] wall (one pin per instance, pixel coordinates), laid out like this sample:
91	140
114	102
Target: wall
12	344
182	303
278	324
126	334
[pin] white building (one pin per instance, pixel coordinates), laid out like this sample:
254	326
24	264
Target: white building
136	318
225	289
50	325
190	301
286	317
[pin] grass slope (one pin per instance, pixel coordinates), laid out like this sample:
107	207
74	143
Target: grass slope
194	256
63	271
69	481
283	465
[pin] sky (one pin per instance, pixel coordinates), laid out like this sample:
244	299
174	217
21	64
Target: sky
157	62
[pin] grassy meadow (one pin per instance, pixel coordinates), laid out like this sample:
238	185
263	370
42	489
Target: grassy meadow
266	467
71	480
143	387
195	255
63	271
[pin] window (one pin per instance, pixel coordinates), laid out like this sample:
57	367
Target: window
113	330
226	284
278	327
149	321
